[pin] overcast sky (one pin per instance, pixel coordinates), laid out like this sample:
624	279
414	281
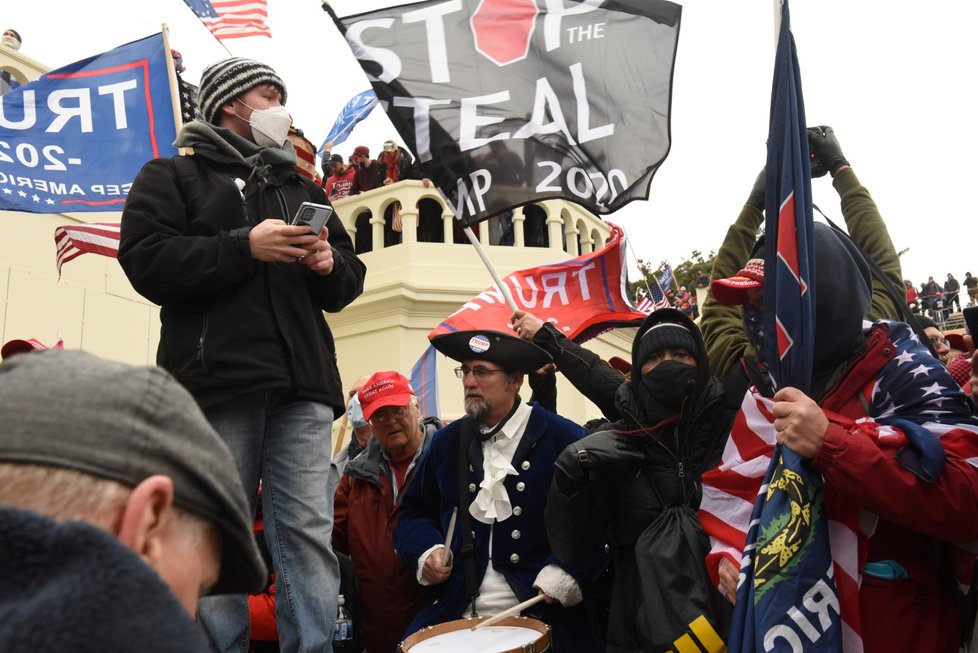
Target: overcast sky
894	78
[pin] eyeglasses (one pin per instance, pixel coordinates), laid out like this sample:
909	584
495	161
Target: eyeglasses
938	341
479	371
388	415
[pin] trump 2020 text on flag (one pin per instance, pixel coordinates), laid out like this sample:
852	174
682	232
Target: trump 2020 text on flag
581	297
507	102
74	139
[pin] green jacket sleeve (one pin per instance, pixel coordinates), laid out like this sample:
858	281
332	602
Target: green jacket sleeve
722	326
867	229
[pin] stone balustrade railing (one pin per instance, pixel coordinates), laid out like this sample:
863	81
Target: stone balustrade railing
425	217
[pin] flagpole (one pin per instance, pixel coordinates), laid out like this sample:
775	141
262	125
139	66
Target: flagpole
489	266
777	21
171	74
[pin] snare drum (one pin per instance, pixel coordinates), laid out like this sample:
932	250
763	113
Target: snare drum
510	635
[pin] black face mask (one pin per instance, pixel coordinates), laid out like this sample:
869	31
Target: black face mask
665	387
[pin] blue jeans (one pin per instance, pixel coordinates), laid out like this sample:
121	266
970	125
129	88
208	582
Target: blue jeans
287	446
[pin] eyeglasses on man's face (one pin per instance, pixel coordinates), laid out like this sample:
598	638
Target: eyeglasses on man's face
938	341
389	414
480	371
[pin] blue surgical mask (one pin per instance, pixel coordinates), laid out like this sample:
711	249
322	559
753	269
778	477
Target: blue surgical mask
355	411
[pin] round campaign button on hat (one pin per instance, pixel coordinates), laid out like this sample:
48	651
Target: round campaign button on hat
479	344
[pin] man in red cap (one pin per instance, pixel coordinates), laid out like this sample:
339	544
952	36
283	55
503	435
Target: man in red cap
367	175
388	595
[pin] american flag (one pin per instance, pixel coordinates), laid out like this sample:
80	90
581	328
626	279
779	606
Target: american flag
188	100
305	155
73	240
232	19
652	300
911	399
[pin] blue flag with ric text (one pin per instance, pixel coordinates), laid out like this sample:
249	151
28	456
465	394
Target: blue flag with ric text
787	598
74	139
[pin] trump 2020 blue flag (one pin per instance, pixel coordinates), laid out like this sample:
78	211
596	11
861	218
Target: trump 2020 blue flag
787	598
74	139
358	108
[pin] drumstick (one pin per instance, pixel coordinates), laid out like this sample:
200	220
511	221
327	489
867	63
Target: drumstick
446	554
516	609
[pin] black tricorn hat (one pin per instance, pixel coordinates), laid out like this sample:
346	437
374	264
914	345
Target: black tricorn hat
509	352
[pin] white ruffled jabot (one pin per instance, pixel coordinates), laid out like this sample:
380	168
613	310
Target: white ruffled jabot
492	502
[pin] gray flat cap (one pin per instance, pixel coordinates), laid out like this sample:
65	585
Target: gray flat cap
73	410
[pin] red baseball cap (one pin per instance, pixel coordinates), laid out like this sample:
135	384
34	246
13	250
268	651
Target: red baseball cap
732	291
21	346
959	341
384	389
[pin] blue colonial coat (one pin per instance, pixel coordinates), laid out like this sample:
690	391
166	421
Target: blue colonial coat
520	546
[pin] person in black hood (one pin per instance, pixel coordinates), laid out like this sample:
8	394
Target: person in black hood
242	294
639	478
869	379
842	295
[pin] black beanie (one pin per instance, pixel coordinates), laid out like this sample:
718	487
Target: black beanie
229	79
665	335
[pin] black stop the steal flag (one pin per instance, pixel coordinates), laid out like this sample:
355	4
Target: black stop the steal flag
506	102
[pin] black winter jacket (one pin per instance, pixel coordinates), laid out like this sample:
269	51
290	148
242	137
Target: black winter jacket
625	501
592	376
230	323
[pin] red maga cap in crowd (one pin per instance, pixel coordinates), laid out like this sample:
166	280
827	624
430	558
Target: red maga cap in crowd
732	291
21	346
384	389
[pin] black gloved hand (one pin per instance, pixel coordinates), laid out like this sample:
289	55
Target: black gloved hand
828	152
604	449
756	198
816	166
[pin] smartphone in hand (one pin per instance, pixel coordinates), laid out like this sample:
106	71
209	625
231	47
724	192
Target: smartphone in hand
971	320
313	216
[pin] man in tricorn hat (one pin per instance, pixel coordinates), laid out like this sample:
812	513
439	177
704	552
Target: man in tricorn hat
506	450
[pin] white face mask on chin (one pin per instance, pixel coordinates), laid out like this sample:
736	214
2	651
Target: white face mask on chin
270	127
11	42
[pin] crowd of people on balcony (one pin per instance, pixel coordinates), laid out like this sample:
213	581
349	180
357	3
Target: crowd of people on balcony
359	173
939	301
